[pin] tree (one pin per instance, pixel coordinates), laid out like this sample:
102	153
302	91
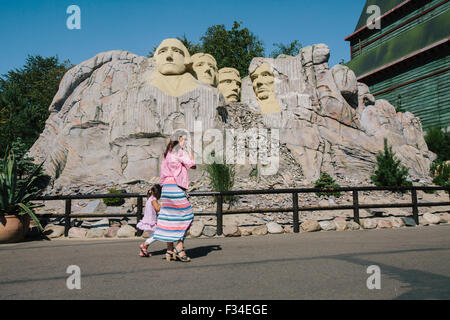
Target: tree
390	172
192	47
325	181
232	48
438	142
25	95
291	49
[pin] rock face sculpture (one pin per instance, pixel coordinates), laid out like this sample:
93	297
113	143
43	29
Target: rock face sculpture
230	84
205	67
112	115
323	131
172	59
263	81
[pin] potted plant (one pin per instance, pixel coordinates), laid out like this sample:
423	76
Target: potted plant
15	205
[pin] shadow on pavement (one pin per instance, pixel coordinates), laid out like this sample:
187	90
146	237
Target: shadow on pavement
194	252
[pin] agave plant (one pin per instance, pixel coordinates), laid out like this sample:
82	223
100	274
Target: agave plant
14	196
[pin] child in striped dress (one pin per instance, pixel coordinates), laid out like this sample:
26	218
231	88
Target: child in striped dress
148	222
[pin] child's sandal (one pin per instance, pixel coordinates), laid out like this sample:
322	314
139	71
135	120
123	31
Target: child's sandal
144	253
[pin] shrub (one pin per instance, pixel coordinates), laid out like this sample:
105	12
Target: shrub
326	182
15	197
390	172
442	177
25	166
222	177
114	202
438	142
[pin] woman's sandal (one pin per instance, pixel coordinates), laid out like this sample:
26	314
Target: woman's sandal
183	258
144	253
170	255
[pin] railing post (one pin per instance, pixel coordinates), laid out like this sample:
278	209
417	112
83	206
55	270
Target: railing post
139	214
414	206
219	215
67	217
295	212
356	207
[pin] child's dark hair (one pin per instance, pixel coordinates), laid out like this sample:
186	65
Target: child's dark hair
155	191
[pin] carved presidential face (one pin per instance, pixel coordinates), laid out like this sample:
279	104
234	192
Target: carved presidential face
230	84
205	67
263	82
171	56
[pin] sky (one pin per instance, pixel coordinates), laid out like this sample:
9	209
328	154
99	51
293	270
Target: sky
38	27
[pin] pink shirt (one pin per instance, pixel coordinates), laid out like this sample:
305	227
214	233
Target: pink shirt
175	165
148	222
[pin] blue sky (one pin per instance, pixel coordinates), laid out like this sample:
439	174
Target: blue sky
39	27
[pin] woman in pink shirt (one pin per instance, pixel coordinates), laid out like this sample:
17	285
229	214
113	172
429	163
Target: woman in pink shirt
176	215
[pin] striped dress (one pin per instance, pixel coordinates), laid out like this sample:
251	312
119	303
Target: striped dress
176	214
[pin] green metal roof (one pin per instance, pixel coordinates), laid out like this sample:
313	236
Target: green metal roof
385	6
406	43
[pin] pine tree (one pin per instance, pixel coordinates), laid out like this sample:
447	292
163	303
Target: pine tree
390	172
327	182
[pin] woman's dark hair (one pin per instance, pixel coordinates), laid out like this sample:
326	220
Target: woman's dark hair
170	146
155	191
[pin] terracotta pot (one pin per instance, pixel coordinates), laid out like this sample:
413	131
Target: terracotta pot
13	228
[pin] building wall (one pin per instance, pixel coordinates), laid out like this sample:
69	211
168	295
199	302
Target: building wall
385	29
428	98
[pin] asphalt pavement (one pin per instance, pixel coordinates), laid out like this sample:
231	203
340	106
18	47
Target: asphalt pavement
413	263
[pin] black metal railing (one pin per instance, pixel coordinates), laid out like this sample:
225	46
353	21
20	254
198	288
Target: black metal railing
219	213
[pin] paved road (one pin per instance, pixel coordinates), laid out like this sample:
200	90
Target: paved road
414	264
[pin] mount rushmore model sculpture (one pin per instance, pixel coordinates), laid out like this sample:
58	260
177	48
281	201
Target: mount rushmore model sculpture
112	115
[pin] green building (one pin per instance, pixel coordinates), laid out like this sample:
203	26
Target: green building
405	58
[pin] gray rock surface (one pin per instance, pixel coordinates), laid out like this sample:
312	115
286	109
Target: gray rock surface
75	232
196	229
327	225
310	226
126	231
397	222
95	233
274	228
384	224
431	218
409	221
112	232
369	223
341	224
352	225
231	231
209	231
260	230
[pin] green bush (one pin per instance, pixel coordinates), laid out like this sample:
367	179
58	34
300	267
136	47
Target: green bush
438	142
222	177
442	177
326	182
390	172
114	202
